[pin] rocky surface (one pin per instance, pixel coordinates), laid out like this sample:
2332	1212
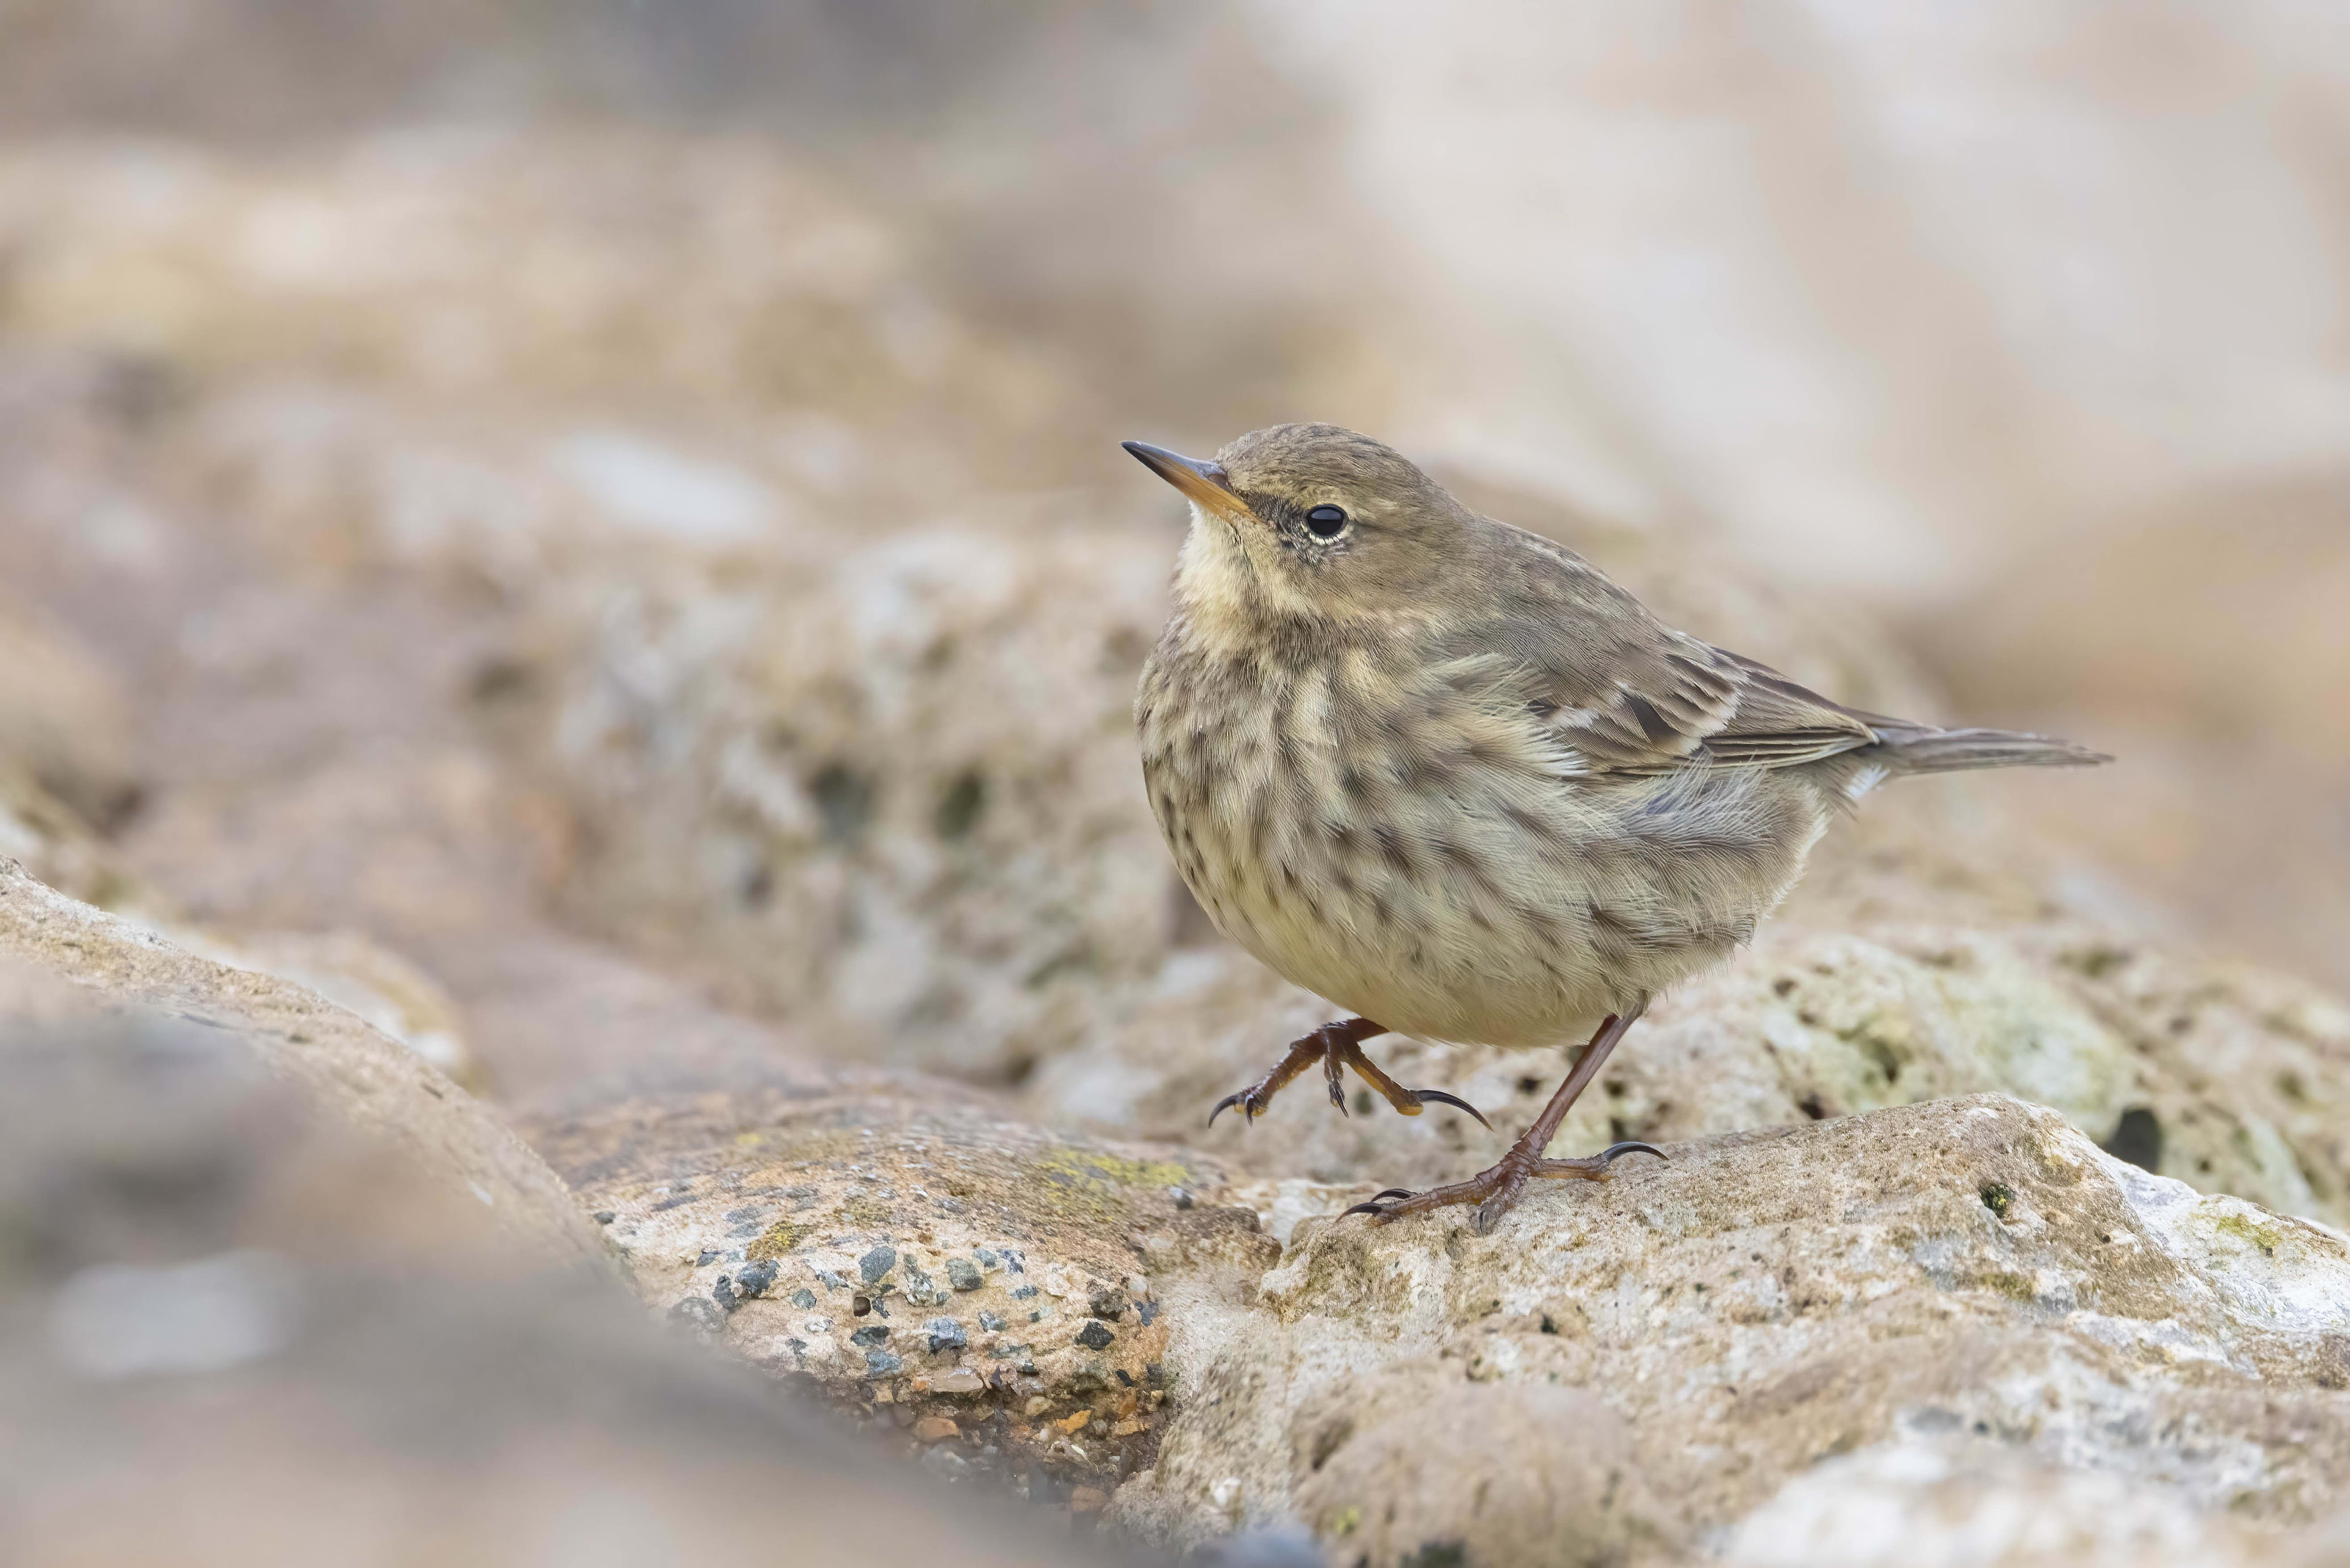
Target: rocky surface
65	723
2227	1076
232	1320
56	846
1635	1368
348	1070
907	1251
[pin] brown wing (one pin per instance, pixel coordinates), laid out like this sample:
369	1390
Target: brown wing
1615	691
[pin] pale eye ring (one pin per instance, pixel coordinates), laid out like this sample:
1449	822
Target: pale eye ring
1327	522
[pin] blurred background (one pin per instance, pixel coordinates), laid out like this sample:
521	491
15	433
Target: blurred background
610	511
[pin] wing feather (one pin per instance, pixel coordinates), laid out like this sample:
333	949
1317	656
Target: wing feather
1613	690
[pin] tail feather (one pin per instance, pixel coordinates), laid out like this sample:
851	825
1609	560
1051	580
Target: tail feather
1917	749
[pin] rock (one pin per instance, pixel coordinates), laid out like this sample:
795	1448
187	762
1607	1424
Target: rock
353	971
350	1072
855	1192
1387	1490
64	720
1969	1500
195	1238
1707	1331
935	1430
55	846
2228	1077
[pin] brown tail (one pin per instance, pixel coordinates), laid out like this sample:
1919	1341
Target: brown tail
1918	749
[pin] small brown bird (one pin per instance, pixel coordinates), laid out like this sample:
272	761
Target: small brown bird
1445	773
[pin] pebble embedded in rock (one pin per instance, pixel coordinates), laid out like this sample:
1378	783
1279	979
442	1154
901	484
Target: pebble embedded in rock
946	1334
1096	1335
990	1321
874	1334
754	1280
803	1298
920	1290
699	1313
880	1364
963	1274
935	1430
877	1262
1108	1302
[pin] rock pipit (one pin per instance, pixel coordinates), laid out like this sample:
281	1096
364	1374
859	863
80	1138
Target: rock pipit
1445	773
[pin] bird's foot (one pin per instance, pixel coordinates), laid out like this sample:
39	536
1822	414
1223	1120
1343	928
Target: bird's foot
1337	1046
1495	1191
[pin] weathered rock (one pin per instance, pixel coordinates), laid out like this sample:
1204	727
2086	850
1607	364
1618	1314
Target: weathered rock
231	1319
2224	1075
354	972
53	843
1969	1500
1764	1303
902	780
347	1069
64	720
55	846
906	1249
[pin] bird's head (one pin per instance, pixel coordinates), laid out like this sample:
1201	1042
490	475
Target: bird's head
1310	522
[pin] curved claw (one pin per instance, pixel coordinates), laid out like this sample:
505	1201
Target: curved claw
1371	1205
1438	1095
1227	1102
1615	1151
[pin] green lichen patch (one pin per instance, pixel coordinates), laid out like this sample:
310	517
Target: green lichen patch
776	1241
1091	1181
2250	1232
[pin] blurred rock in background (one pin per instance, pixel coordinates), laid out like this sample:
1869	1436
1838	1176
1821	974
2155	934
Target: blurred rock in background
593	538
247	1317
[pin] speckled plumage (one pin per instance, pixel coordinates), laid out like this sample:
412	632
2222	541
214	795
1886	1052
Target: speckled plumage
1479	794
1445	773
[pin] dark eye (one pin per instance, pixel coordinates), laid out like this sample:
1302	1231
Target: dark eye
1327	522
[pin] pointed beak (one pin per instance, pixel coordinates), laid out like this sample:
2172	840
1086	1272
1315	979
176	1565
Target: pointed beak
1203	483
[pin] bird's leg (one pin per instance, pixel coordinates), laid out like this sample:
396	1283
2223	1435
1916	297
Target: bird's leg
1337	1046
1495	1190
